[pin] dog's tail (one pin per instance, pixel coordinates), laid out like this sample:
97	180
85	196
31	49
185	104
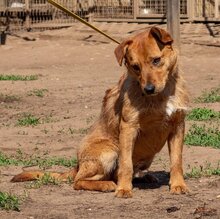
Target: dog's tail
35	175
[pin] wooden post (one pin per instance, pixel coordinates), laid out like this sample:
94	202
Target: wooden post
91	12
216	9
135	8
173	20
27	9
191	10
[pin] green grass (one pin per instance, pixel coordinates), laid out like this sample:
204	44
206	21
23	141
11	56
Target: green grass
8	98
202	136
207	170
38	92
202	114
9	202
28	120
18	77
79	131
90	119
209	96
47	179
21	159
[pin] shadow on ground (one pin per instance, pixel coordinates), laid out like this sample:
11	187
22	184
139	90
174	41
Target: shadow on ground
153	180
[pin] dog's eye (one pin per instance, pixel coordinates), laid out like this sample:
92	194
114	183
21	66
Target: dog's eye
156	61
136	68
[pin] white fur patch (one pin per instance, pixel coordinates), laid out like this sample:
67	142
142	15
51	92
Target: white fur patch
109	160
171	106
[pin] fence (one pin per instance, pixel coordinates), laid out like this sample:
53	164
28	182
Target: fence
207	10
30	14
147	10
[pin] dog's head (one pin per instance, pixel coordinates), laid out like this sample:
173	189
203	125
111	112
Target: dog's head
149	58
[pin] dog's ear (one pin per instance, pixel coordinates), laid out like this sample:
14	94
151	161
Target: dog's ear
161	35
121	50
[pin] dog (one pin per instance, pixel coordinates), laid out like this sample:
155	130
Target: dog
139	115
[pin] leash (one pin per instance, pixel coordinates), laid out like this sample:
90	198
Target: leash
80	19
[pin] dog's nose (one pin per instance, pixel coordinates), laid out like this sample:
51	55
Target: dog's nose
149	89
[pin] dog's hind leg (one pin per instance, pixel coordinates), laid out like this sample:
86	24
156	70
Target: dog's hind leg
103	186
95	175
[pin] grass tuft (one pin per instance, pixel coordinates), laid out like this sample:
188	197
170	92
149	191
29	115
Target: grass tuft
207	170
28	120
8	98
209	96
18	77
82	131
9	202
43	163
202	114
202	136
38	92
47	179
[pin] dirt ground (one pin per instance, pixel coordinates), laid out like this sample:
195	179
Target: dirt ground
76	66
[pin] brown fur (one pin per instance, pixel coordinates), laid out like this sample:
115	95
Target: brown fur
134	126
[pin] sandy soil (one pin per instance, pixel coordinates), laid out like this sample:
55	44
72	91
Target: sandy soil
76	67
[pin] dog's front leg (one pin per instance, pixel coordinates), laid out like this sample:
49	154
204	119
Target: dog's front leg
175	144
127	138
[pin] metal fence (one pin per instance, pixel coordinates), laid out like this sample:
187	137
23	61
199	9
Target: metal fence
113	9
30	14
207	9
158	7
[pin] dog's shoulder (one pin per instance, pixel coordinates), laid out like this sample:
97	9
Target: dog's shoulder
119	100
113	94
173	107
178	102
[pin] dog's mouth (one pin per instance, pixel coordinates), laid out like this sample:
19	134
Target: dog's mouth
156	92
149	94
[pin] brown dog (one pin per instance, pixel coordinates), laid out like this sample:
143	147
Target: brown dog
139	115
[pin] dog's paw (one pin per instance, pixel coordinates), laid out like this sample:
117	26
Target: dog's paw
179	189
109	187
122	193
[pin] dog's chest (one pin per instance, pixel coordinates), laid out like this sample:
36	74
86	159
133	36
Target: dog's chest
159	116
156	124
154	131
156	119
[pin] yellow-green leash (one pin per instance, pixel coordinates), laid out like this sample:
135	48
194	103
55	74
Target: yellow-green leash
80	19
